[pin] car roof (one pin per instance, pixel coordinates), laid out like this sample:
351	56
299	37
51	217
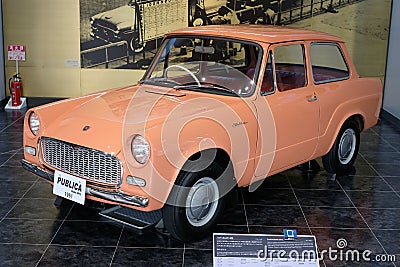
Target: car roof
263	33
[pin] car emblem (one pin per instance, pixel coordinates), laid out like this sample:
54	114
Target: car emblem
86	128
239	123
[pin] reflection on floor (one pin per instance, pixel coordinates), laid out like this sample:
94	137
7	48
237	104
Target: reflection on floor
362	207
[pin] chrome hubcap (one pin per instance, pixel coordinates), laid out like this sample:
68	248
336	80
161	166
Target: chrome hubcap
347	146
202	201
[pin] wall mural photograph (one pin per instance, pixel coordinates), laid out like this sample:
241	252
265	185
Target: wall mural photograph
125	34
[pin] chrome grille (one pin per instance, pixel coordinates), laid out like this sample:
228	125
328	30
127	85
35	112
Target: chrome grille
83	162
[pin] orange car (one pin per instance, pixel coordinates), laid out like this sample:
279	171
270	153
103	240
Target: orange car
220	107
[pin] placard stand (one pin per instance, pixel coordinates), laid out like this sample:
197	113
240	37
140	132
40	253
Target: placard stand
16	53
9	105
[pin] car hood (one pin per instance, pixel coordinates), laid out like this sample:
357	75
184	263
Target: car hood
103	120
122	17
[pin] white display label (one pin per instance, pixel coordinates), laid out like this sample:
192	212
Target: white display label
261	250
69	187
16	52
72	63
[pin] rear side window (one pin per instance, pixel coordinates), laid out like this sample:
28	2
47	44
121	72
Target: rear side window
328	63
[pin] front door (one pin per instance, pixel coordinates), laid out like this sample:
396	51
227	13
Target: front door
294	106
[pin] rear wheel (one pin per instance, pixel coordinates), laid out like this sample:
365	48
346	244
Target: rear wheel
195	203
345	149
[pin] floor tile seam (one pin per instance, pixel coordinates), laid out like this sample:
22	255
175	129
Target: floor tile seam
23	243
57	245
55	234
183	254
340	228
79	246
374	132
364	176
116	247
304	216
55	220
160	248
317	189
369	208
387	142
379	152
23	181
11	151
385	229
11	164
351	190
387	183
395	191
269	205
27	190
12	131
274	188
328	207
362	217
29	198
5	179
370	176
380	163
31	219
245	212
3	164
260	225
10	142
201	249
311	206
13	198
9	125
298	202
354	228
371	190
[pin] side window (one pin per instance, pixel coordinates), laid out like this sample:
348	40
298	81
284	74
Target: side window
328	63
290	68
268	79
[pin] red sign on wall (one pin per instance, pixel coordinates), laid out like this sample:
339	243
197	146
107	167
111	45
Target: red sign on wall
16	52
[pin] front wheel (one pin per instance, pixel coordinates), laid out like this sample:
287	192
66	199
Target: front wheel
345	149
194	205
135	45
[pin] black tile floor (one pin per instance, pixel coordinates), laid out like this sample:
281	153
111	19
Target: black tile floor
362	207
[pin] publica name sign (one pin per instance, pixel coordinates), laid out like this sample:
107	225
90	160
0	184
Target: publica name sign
16	52
69	187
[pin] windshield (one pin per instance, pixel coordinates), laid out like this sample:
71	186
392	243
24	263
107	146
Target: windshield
209	65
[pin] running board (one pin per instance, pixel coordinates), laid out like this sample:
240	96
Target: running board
132	218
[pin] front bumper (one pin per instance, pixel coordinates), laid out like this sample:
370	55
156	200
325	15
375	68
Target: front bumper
114	196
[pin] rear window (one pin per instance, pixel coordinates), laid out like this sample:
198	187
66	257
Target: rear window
328	63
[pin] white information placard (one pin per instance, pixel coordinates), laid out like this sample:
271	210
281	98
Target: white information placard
16	52
69	187
256	250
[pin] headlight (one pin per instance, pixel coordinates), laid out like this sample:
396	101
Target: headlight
140	149
34	123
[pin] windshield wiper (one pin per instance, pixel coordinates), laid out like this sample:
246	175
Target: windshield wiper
160	81
208	87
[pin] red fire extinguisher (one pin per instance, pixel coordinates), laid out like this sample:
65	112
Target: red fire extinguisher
15	84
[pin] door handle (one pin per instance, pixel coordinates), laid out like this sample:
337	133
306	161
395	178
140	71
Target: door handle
313	98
